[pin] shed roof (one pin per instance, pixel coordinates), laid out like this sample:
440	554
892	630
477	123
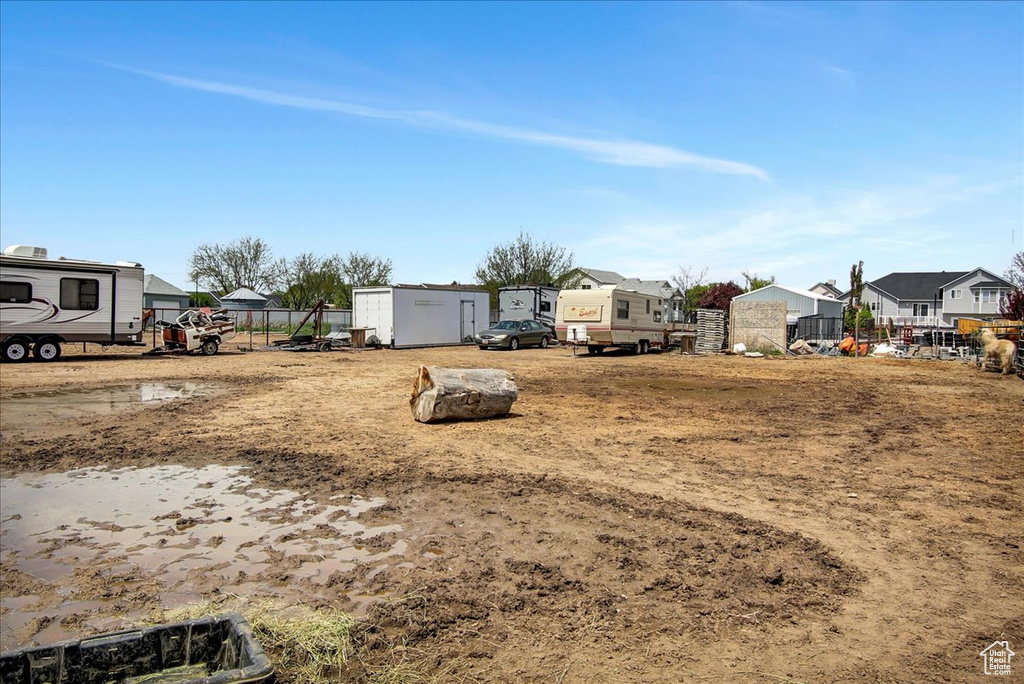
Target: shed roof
792	290
243	294
154	285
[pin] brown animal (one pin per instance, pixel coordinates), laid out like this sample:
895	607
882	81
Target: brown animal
1000	351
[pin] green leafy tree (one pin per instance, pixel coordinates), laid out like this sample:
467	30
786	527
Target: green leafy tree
247	262
856	283
199	299
526	261
754	282
312	278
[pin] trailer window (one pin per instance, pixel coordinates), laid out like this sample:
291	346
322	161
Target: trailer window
648	306
545	306
622	309
16	293
78	293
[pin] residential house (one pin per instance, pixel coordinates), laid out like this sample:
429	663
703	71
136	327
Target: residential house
671	297
157	293
935	298
593	279
827	289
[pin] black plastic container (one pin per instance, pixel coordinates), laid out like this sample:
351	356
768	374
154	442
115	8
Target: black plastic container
213	650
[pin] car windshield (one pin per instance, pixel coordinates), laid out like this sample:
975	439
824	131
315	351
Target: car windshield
506	325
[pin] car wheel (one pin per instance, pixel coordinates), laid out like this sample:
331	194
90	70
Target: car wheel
513	344
209	347
483	346
15	350
47	350
544	342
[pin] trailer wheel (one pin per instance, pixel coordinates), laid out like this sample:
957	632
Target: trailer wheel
15	349
513	344
47	349
209	347
595	349
644	346
324	347
544	342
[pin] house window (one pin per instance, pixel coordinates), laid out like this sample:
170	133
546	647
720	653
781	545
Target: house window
622	309
584	287
15	293
956	294
920	309
80	294
545	306
989	296
657	317
874	306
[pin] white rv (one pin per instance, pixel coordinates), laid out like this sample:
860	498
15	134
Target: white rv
47	302
527	302
610	317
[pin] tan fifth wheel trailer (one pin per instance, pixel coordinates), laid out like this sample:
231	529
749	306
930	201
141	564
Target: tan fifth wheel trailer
612	317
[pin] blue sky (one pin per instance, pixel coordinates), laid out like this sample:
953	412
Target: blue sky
785	139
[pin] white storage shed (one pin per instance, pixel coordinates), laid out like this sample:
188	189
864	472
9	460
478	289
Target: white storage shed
403	316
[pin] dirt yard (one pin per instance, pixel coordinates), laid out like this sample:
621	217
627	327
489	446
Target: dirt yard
656	518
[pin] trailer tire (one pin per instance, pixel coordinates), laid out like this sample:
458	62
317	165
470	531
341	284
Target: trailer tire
644	346
513	344
595	349
15	349
324	347
544	342
209	347
46	349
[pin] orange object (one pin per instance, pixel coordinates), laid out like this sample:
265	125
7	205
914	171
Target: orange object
847	345
863	350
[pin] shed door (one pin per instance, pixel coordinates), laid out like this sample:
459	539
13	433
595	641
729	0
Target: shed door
468	319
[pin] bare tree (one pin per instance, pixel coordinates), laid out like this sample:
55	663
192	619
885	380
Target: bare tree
1015	274
856	283
247	262
362	270
692	284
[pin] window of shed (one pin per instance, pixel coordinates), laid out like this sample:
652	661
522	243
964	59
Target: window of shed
622	309
79	294
16	293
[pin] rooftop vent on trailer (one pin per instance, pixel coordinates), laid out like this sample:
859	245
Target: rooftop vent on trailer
26	251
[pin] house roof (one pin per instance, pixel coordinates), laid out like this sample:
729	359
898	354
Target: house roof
919	286
990	283
602	276
655	288
793	290
154	285
243	294
829	287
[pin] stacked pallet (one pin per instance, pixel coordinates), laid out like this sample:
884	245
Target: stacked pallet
710	331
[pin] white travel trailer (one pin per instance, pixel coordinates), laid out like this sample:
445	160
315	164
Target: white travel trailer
47	302
420	315
527	302
610	317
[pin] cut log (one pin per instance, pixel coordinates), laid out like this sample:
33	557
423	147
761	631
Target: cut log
461	393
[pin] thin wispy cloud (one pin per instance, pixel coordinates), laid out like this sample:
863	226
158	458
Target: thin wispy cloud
619	152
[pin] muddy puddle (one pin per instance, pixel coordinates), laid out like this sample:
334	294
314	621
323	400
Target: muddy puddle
187	532
28	410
